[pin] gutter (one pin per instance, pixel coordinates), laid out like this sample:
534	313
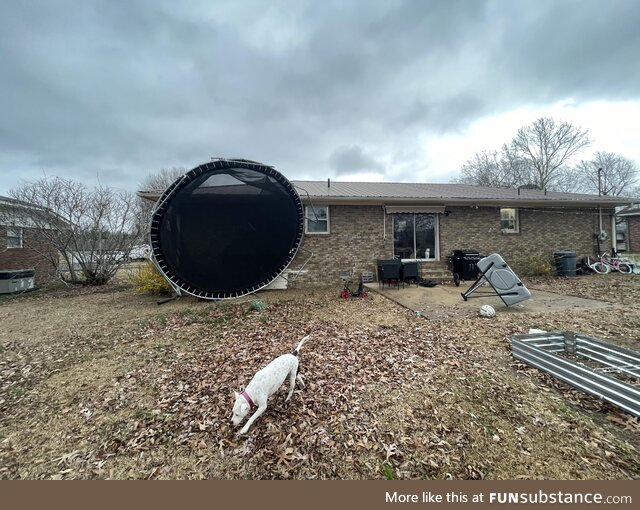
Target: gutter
461	202
449	201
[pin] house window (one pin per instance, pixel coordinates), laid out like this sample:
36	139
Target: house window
14	237
316	220
509	223
414	236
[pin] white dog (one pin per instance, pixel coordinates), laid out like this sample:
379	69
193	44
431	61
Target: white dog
264	384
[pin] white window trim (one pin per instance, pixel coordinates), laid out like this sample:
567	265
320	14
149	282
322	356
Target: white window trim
309	210
20	236
515	230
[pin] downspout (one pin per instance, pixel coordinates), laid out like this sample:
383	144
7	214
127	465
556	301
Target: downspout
600	216
614	236
600	194
384	223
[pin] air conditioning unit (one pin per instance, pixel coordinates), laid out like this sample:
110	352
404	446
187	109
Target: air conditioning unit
17	280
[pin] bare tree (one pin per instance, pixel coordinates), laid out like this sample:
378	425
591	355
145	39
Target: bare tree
609	174
547	147
157	181
92	231
502	169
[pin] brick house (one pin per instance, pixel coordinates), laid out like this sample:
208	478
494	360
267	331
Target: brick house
360	222
632	218
20	247
349	225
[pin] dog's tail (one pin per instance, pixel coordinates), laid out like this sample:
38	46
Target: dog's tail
297	349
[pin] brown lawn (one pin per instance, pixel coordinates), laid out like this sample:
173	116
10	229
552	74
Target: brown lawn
103	383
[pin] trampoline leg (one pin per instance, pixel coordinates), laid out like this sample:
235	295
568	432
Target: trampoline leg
166	300
477	283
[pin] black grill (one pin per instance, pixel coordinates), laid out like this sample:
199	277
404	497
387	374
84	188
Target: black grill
464	262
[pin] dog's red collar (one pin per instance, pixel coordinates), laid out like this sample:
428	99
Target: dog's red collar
247	398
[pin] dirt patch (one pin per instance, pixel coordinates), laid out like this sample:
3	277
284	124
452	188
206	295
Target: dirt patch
106	384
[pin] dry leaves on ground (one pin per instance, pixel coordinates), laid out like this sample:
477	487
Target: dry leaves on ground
387	394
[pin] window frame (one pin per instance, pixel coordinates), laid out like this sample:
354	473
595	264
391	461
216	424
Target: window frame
17	234
310	210
436	234
516	218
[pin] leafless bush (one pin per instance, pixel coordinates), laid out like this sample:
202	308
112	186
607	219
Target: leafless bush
92	230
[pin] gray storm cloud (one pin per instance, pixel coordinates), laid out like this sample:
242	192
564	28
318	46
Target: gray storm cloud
115	90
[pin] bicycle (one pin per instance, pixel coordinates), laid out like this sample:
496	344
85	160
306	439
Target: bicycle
607	263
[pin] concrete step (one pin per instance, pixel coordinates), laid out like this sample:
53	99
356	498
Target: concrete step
435	270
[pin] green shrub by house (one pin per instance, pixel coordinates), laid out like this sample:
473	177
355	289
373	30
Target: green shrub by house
536	265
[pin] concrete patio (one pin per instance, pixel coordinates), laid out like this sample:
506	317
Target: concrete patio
444	301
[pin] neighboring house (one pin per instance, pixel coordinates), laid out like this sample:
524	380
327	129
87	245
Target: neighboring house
349	225
19	246
631	216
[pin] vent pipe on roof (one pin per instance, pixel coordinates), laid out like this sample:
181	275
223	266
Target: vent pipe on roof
600	182
328	183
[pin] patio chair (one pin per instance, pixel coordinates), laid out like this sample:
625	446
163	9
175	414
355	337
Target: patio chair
410	273
389	272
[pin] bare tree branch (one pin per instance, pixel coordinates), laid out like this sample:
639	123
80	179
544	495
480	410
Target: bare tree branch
537	157
619	175
503	169
158	181
92	231
547	148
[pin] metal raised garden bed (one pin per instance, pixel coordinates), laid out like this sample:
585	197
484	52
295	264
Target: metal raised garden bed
540	350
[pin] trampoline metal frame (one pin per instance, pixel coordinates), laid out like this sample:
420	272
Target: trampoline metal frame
157	256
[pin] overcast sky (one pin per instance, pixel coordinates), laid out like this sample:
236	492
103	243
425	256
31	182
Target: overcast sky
370	90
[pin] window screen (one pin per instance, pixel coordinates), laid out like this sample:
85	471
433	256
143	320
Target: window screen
317	220
14	237
509	220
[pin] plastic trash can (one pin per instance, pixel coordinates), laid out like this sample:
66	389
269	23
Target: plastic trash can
564	263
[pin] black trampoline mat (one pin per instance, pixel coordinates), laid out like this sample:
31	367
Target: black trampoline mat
226	228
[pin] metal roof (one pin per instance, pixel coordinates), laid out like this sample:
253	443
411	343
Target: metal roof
630	211
13	202
450	193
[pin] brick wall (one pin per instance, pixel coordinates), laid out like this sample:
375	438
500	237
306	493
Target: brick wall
356	238
27	257
542	232
633	225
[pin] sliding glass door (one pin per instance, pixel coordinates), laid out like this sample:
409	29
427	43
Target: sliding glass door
415	236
